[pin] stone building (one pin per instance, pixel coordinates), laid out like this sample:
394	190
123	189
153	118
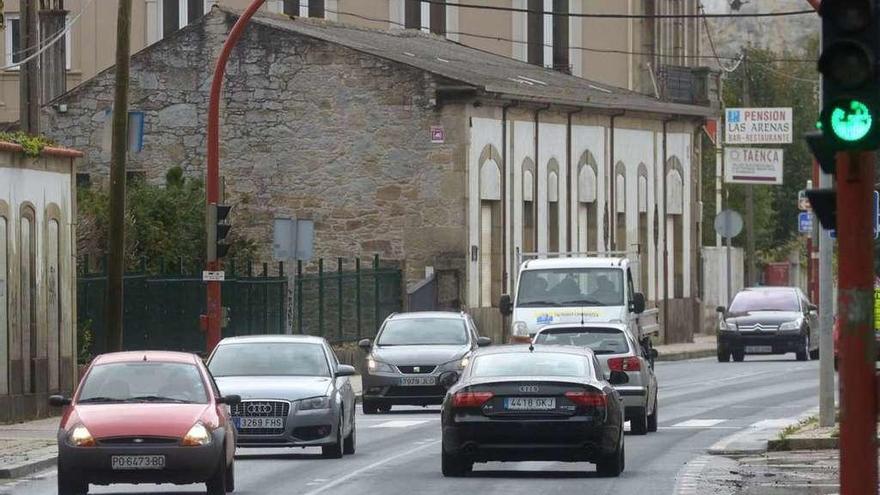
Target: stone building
422	150
37	279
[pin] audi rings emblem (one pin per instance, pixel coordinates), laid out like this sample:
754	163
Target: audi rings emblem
528	388
259	408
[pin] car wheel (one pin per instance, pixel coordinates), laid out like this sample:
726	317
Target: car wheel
68	484
814	354
455	466
350	440
369	407
652	419
217	483
230	477
804	353
334	451
723	354
739	356
613	464
639	424
384	407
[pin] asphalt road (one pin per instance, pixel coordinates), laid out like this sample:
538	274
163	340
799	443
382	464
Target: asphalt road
703	404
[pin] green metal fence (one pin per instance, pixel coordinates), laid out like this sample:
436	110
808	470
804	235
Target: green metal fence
162	310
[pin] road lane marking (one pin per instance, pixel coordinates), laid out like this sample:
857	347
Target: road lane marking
400	423
698	423
688	478
358	472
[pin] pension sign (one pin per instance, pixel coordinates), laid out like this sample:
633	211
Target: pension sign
758	126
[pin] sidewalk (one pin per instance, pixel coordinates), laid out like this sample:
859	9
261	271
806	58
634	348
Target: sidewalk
26	448
702	346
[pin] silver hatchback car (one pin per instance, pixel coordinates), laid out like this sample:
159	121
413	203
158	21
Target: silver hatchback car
294	392
616	350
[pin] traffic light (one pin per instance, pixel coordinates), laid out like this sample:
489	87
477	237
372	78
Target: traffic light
218	229
823	202
849	119
822	150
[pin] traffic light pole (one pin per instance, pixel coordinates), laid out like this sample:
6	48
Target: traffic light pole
858	389
212	182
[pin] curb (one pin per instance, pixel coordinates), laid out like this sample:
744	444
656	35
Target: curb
786	444
683	355
738	452
27	468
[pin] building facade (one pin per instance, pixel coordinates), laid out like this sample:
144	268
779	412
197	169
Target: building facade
400	143
655	56
37	280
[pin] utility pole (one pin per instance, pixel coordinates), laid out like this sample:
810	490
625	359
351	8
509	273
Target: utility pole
827	411
750	278
119	148
29	78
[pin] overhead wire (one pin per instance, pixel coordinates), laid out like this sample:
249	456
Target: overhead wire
58	37
712	45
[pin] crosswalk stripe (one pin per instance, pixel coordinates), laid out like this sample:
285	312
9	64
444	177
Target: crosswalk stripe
699	423
399	423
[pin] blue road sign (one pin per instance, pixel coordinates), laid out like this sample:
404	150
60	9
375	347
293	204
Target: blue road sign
805	222
876	216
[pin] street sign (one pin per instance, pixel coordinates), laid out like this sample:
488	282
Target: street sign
803	201
758	126
438	134
805	223
213	276
728	224
876	216
293	239
753	165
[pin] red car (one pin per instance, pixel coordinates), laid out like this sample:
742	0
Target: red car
146	417
837	337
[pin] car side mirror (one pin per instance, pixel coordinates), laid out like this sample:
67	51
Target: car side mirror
618	378
721	309
505	305
59	401
448	379
654	354
484	341
365	344
813	308
638	303
345	370
230	400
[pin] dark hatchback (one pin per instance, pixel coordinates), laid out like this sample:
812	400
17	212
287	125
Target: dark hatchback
768	320
541	403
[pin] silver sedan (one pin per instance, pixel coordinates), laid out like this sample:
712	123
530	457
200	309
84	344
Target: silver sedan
616	350
294	392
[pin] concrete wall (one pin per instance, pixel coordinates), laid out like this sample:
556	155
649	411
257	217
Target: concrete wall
715	282
37	282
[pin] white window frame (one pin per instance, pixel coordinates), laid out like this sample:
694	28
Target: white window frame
10	46
182	11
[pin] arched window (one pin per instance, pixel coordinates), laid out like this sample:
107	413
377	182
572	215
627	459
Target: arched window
587	219
643	226
674	223
528	206
620	207
553	206
54	300
4	300
28	296
491	258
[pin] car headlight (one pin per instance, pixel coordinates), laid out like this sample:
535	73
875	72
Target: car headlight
197	436
81	437
314	403
728	326
456	365
379	366
790	326
520	329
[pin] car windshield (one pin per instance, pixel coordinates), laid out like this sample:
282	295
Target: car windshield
571	287
531	364
269	359
143	381
424	331
600	340
765	300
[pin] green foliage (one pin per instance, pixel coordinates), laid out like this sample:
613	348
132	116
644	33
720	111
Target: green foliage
85	339
164	225
33	145
772	84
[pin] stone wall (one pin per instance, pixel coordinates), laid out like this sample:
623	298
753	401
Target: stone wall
309	129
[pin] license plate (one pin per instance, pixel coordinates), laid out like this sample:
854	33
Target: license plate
123	462
759	348
254	423
529	403
411	381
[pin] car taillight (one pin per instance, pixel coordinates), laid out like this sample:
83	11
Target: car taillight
631	363
588	399
471	399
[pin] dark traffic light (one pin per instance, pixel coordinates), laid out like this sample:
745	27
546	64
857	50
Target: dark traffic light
218	229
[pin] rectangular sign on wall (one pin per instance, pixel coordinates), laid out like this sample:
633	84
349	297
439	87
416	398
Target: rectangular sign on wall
758	126
753	166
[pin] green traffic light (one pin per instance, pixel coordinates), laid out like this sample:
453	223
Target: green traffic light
853	123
